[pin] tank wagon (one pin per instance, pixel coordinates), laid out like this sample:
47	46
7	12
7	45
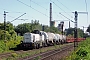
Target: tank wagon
37	39
51	38
45	43
57	39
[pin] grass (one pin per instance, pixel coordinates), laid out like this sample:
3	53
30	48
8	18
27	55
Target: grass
82	52
15	56
37	58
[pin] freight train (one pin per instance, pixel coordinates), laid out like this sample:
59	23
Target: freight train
37	39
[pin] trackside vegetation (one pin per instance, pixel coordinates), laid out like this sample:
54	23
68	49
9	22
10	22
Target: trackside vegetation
14	34
5	46
16	56
82	52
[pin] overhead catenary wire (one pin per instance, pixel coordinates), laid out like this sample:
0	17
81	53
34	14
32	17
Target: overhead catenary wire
38	4
61	9
86	10
67	18
64	16
64	5
8	15
32	8
30	3
18	17
10	11
86	4
58	15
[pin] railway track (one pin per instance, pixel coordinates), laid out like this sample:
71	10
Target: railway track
32	57
6	55
45	55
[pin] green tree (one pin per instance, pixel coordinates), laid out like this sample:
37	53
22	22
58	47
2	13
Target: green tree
10	33
23	28
70	31
9	26
80	32
28	27
51	29
1	26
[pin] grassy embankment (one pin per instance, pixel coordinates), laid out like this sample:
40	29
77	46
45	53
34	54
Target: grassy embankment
15	56
82	52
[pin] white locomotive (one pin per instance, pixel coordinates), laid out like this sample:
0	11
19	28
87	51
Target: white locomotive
39	39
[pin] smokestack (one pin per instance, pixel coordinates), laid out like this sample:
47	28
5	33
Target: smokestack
50	13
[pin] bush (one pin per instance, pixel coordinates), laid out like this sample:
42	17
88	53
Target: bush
82	52
6	45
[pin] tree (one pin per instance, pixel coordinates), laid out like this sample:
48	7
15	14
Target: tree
70	32
10	33
51	29
80	32
23	28
9	27
2	26
28	27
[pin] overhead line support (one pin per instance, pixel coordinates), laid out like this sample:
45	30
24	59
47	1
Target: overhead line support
18	17
5	25
75	30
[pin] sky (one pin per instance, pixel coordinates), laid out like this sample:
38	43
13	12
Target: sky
40	10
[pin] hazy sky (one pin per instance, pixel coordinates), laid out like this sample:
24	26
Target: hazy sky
40	11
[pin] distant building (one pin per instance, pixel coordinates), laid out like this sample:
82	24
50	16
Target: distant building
53	23
60	26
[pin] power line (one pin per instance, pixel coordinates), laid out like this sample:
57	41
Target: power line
15	12
67	18
64	16
58	15
8	15
86	10
30	6
64	5
18	17
86	4
33	8
38	4
10	11
30	3
60	8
